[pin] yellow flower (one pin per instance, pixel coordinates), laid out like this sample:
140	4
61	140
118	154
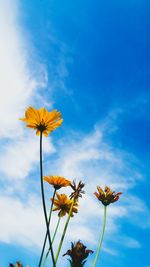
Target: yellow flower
42	120
63	204
57	181
107	196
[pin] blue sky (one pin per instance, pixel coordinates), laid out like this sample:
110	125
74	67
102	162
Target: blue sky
91	62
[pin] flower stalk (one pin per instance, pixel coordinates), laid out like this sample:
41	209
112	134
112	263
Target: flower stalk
43	202
64	231
59	218
101	238
56	229
49	220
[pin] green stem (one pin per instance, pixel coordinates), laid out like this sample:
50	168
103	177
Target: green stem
56	230
101	238
52	241
43	202
49	220
64	232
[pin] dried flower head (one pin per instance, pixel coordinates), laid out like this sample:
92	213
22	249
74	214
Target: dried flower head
78	254
57	181
107	196
18	264
77	190
63	204
42	120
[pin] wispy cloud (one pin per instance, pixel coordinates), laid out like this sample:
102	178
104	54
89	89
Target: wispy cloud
19	221
17	84
21	156
89	158
18	87
98	162
86	156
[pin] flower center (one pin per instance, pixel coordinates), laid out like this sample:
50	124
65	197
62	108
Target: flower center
57	186
41	127
63	207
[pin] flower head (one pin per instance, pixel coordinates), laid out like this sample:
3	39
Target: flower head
63	204
57	181
18	264
78	254
107	196
42	120
77	190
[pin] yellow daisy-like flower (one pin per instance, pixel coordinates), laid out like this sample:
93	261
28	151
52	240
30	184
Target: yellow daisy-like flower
57	181
42	120
63	204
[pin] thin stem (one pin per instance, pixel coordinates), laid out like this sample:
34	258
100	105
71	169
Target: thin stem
43	202
64	231
52	241
49	220
56	230
101	238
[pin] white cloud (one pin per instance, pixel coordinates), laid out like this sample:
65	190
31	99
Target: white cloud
110	251
21	223
128	241
22	156
137	209
78	156
18	87
16	84
91	159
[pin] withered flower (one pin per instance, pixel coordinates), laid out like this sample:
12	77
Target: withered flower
107	196
77	190
57	181
18	264
78	254
63	204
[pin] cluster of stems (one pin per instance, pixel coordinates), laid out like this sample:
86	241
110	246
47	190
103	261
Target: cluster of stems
54	258
48	221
